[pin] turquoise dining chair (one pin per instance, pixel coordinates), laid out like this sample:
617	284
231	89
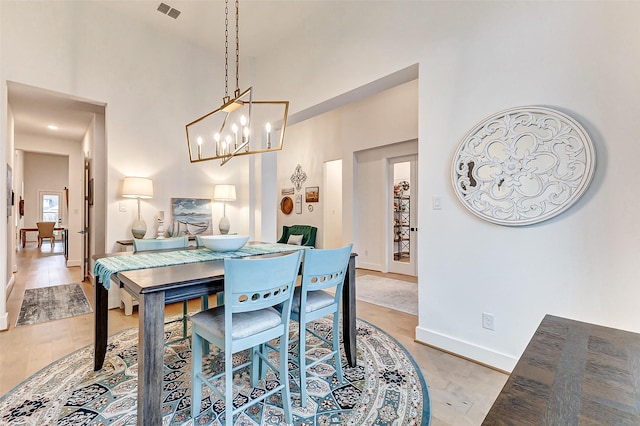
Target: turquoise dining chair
140	244
247	320
322	269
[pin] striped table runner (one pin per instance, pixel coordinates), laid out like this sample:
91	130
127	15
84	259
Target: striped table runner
105	267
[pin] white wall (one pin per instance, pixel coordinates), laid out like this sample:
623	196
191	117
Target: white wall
476	58
7	232
152	85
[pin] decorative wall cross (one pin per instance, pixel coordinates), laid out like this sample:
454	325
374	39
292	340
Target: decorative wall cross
298	177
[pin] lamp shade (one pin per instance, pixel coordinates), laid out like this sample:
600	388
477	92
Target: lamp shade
137	187
224	193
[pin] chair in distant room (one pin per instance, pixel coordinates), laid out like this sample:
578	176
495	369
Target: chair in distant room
140	245
45	231
322	269
302	235
247	320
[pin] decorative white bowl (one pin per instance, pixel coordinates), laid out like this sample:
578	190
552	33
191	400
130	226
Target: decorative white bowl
224	242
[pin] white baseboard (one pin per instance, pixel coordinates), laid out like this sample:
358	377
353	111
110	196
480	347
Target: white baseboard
10	285
368	265
4	321
479	354
74	263
4	316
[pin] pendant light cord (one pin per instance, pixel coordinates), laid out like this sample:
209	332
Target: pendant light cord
226	50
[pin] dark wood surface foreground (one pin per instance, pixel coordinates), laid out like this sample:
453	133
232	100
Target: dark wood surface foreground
573	373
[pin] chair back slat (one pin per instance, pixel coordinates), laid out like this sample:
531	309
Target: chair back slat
159	244
252	284
323	269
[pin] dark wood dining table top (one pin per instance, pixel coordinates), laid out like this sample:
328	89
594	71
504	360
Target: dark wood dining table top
573	373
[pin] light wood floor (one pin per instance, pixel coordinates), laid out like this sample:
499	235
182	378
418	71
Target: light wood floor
461	391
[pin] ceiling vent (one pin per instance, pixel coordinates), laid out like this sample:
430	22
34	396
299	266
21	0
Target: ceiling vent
168	10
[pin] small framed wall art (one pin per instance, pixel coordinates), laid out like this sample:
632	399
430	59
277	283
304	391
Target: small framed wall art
299	204
312	194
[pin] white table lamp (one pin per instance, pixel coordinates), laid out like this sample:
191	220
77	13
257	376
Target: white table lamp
137	187
224	193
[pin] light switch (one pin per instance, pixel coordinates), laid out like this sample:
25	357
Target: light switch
437	203
123	206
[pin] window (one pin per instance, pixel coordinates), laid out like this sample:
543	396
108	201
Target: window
50	207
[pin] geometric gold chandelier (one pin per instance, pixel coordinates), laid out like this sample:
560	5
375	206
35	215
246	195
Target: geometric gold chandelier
241	125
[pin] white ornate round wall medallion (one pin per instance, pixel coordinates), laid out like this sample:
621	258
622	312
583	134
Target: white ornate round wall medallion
523	165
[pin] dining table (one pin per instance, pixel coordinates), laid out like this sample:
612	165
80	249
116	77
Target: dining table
154	285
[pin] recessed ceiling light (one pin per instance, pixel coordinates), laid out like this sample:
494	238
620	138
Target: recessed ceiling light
52	127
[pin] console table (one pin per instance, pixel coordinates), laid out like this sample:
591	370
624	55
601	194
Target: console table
573	373
23	233
65	237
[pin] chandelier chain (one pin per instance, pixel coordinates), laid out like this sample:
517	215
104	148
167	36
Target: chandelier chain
226	49
237	47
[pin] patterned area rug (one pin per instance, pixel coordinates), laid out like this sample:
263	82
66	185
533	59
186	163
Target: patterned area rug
386	387
387	292
52	303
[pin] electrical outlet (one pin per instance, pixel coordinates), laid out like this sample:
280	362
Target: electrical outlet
487	321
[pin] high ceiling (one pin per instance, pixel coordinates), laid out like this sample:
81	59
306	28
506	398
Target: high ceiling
264	25
34	109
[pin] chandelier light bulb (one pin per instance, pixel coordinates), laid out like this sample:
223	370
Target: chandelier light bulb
234	129
245	138
227	140
216	137
268	127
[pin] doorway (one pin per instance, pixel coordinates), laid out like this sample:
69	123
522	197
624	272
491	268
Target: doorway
79	132
51	207
402	180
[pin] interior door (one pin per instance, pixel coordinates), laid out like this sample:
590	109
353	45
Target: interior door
403	255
